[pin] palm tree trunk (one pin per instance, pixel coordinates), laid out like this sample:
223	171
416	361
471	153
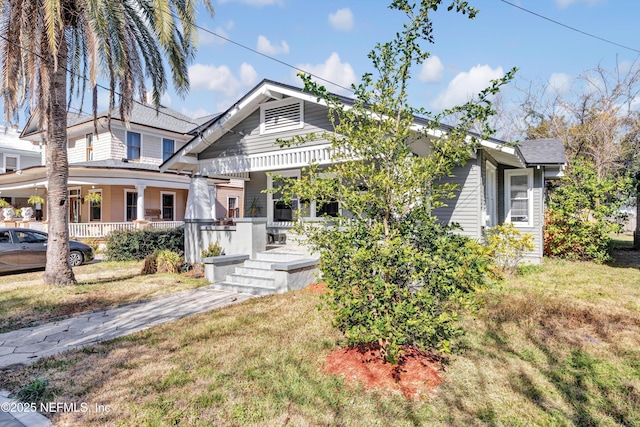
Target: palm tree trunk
58	271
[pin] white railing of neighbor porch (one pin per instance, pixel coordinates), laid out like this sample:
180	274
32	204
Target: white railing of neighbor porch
102	229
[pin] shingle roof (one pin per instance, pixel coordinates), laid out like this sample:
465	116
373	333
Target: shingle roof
543	151
144	114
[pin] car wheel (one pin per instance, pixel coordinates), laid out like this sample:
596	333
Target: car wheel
75	258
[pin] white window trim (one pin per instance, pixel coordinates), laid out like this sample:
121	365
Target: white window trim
127	191
507	196
171	193
97	190
278	104
4	161
126	145
295	173
77	194
237	205
86	146
491	212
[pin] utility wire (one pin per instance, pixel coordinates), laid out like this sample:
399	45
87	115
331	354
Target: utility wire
570	27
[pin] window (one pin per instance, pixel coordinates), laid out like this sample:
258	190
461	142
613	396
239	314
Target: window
95	208
233	209
490	196
131	205
279	116
133	145
29	236
168	146
283	211
89	147
167	206
11	163
518	201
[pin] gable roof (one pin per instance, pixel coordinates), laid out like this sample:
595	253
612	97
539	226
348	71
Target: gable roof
141	114
543	152
186	158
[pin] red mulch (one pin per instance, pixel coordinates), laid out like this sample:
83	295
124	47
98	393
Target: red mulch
416	374
316	288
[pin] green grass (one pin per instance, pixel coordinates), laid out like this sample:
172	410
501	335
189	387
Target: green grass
558	345
25	300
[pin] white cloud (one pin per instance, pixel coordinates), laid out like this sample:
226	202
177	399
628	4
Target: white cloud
265	46
563	4
165	100
342	19
332	70
560	82
465	85
208	39
248	75
221	79
258	3
431	71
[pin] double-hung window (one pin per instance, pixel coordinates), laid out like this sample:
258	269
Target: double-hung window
518	197
134	144
89	138
168	146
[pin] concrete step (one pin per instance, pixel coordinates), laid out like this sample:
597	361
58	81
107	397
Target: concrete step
245	288
256	272
261	265
278	256
251	280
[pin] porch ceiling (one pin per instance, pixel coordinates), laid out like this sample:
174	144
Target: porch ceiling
504	154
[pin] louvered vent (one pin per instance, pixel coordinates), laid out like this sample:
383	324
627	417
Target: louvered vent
281	117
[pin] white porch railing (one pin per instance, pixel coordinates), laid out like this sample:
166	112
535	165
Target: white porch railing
102	229
277	159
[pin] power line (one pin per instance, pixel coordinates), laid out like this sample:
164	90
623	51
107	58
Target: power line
571	28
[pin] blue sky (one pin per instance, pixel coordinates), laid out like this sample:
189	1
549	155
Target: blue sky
331	38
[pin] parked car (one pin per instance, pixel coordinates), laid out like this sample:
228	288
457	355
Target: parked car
24	249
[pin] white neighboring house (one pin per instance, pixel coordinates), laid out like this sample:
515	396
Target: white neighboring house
15	155
120	161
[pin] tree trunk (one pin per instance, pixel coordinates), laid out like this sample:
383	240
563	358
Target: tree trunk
58	271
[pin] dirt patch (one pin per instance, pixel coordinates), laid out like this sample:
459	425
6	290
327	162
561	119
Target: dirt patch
415	376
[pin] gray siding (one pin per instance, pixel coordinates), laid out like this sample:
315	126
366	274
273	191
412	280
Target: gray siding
253	189
465	208
245	138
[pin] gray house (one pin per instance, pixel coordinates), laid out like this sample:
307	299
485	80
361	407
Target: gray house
500	183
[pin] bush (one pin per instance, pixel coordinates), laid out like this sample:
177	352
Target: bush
404	291
150	265
169	261
583	212
137	244
507	246
214	249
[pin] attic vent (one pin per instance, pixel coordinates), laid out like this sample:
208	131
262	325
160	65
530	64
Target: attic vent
280	116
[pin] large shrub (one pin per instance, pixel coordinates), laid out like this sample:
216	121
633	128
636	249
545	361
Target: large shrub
396	276
137	244
583	212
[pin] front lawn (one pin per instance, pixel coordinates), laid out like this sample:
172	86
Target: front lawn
559	345
25	300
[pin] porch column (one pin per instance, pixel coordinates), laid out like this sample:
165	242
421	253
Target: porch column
199	199
140	202
212	198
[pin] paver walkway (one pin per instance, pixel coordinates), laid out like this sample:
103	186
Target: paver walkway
25	346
